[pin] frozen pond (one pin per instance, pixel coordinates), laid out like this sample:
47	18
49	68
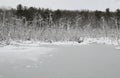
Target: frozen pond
91	61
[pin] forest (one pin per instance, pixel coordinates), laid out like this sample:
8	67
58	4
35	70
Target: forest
40	24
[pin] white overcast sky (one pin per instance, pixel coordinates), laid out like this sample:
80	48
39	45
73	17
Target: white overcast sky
65	4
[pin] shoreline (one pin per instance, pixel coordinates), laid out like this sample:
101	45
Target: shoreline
86	41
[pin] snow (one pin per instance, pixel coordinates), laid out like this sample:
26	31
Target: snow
23	51
106	41
35	46
31	58
100	41
87	41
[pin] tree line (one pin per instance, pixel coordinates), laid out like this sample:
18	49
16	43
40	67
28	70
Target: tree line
29	19
83	17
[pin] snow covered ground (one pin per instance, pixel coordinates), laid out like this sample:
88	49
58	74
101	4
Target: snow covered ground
59	60
25	51
31	50
31	59
24	45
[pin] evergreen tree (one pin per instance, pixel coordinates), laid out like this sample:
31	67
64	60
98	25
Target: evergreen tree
19	12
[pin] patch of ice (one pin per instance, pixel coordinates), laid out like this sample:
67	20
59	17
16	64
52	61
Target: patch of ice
28	66
23	52
50	55
118	47
41	62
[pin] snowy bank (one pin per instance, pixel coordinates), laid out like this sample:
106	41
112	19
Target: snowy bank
24	45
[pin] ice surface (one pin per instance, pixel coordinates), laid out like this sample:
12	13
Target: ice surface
23	52
63	61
